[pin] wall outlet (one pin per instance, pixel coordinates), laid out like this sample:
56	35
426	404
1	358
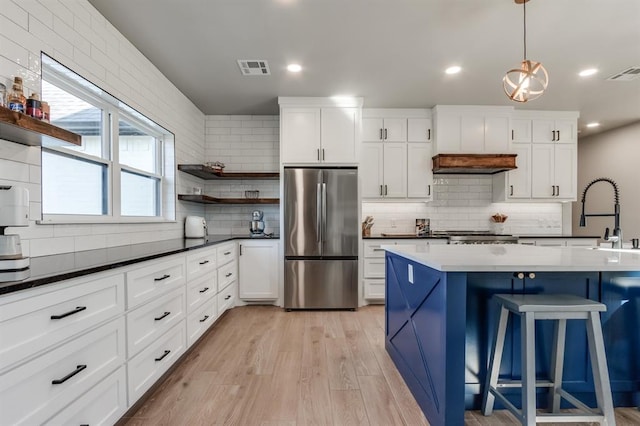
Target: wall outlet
393	223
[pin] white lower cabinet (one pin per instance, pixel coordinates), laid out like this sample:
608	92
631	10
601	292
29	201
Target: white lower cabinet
83	351
201	319
104	404
147	322
559	242
258	270
227	298
374	263
33	392
145	368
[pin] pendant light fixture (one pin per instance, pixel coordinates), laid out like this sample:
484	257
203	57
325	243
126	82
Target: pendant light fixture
530	80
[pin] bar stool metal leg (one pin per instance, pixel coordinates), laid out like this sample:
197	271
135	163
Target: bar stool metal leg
491	380
528	339
599	368
557	364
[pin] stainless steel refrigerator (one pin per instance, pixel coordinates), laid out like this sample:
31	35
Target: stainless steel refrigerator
321	238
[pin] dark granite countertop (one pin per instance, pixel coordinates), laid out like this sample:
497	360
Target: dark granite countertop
404	237
45	270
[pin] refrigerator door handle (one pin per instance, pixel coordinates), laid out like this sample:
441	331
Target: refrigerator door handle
318	213
324	209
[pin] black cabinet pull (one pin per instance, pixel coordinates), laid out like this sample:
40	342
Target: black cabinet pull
429	190
227	253
78	369
228	297
558	134
228	275
380	134
240	246
510	189
318	152
166	314
206	317
322	154
429	134
166	352
164	277
204	262
512	134
204	290
66	314
385	134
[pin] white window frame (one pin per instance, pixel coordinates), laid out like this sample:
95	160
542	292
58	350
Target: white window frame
113	111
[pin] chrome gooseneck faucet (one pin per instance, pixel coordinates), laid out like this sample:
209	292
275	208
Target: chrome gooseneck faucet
616	238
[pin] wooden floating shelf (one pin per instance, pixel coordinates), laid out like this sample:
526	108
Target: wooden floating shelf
25	130
204	172
206	199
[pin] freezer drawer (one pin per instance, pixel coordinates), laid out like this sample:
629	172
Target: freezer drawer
321	284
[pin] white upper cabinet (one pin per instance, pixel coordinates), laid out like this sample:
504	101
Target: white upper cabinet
546	146
391	167
384	129
319	130
521	130
419	130
419	171
472	129
547	130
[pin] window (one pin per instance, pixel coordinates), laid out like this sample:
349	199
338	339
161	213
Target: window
121	173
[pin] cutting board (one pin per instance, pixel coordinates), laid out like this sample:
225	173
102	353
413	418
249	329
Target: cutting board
397	235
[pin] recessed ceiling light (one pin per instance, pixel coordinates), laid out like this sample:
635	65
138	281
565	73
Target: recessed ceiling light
294	68
593	124
453	70
588	72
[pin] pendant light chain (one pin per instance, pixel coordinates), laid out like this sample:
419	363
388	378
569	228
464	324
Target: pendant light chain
524	7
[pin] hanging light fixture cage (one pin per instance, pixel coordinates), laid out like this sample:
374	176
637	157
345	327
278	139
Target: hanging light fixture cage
530	80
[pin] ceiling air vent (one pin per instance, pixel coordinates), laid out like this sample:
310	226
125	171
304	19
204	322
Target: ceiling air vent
626	75
254	67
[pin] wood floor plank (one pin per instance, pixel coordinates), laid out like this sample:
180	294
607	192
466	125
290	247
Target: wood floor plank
348	408
409	409
342	374
315	406
261	366
378	400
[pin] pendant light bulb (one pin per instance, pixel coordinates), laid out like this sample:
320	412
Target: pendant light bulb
530	80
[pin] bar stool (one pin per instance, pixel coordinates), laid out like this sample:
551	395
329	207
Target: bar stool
532	307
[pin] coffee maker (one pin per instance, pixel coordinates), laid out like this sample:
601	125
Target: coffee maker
257	224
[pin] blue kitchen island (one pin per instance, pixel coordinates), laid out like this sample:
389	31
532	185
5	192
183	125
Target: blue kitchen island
440	319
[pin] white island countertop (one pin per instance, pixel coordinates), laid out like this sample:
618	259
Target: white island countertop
516	257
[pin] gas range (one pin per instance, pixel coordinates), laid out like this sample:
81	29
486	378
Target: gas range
476	237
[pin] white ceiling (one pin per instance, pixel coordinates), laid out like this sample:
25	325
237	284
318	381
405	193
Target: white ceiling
390	52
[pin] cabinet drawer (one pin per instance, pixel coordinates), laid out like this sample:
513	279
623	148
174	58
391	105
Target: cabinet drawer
201	289
200	263
104	404
374	249
154	278
201	319
227	298
35	391
151	363
149	321
374	268
31	323
373	289
227	274
226	253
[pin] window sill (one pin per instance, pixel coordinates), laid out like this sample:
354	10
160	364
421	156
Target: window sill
101	221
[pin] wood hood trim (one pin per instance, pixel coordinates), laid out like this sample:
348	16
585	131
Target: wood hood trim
486	164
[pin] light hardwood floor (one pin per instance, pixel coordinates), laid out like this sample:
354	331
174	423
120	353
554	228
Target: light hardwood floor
260	365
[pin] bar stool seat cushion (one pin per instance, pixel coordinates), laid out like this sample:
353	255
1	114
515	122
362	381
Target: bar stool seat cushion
548	303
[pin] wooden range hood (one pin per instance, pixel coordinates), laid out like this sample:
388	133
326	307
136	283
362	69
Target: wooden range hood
479	164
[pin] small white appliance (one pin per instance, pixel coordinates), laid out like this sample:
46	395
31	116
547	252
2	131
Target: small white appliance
195	227
14	211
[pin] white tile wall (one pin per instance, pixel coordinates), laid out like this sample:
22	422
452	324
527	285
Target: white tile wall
243	143
74	33
464	203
